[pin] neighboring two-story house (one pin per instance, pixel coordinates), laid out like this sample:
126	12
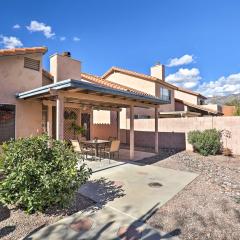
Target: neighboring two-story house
182	102
152	84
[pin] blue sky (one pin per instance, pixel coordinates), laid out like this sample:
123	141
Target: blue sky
198	40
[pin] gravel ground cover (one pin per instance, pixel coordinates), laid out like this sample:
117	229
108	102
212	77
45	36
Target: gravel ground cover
16	224
209	207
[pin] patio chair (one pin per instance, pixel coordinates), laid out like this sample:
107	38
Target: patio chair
78	148
111	138
82	139
108	145
114	148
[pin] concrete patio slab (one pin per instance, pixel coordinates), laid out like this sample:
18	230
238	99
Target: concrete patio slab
97	165
104	224
135	189
138	155
127	196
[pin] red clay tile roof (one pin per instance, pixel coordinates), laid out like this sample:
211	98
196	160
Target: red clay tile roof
100	81
136	74
22	51
190	92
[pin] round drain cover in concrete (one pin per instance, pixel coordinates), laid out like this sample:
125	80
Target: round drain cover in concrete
129	233
155	184
82	225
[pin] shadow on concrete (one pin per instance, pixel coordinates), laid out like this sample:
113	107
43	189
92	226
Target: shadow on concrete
102	191
162	155
133	230
103	229
137	229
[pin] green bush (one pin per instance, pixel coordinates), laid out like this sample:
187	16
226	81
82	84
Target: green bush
38	176
207	142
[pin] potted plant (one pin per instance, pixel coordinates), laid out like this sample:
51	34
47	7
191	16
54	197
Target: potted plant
77	130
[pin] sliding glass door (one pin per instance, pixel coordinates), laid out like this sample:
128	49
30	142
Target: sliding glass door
7	122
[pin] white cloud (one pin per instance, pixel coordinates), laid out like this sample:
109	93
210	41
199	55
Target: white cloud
184	77
16	26
76	39
222	86
36	26
62	38
10	42
184	60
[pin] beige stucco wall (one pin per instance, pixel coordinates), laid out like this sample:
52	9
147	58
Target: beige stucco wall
186	97
143	85
101	117
214	107
63	67
133	82
173	131
28	118
158	71
150	87
105	130
15	78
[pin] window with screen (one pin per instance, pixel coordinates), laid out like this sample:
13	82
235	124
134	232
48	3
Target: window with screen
7	122
165	94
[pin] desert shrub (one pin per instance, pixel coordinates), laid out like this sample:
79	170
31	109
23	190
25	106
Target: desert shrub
38	176
207	142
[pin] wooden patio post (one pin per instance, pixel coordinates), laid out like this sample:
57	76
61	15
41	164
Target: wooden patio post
156	129
118	125
60	117
131	132
49	121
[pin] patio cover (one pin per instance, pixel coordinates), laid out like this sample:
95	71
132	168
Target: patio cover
83	93
74	87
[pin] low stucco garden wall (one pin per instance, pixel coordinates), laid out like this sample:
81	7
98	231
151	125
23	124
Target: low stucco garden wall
173	131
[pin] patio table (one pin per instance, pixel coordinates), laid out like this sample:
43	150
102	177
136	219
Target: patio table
95	144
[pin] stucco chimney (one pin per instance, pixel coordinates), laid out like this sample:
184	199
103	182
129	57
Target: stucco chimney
63	67
158	71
